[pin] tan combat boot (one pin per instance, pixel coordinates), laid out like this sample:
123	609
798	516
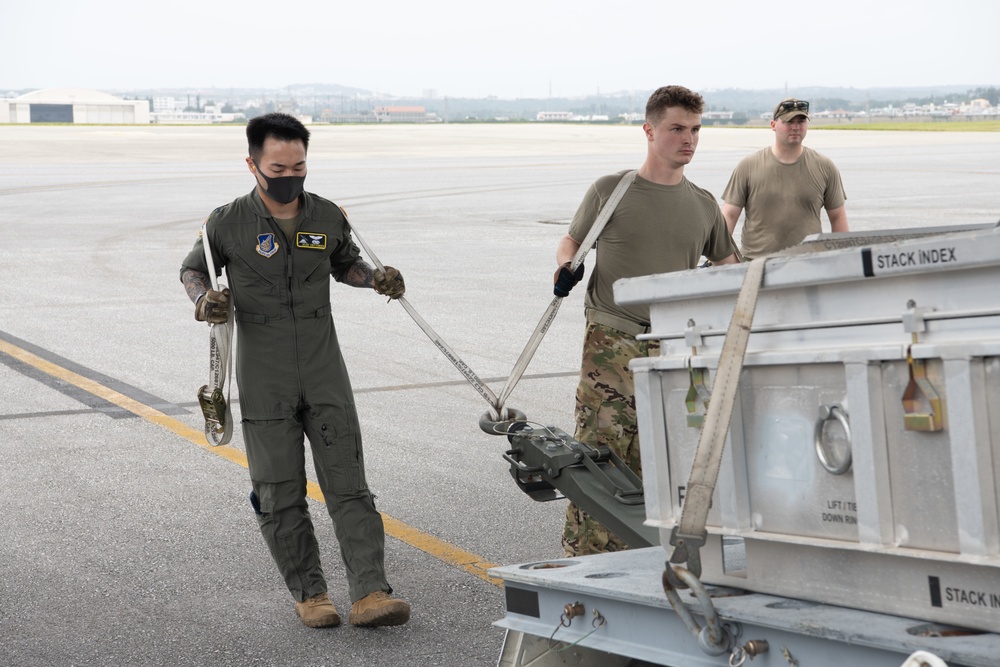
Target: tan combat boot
318	612
377	609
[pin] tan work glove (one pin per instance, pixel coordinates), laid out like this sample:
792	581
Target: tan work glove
389	283
213	307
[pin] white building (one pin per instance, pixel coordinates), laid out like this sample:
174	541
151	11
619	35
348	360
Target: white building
554	115
405	115
195	117
73	105
167	103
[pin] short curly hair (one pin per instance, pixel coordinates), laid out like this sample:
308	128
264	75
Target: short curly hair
665	97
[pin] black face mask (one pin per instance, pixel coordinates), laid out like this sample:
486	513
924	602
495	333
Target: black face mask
284	189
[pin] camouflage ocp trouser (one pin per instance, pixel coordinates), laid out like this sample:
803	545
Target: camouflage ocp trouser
605	415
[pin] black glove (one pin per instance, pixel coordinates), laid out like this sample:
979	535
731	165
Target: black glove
213	307
565	280
389	283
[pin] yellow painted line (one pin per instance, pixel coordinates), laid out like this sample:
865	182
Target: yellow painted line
123	401
440	549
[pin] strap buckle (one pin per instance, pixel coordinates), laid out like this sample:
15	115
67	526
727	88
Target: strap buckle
687	549
213	407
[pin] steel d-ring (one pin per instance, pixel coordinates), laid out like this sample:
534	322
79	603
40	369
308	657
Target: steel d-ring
833	464
493	424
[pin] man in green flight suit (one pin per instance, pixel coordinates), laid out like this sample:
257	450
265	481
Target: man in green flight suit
280	246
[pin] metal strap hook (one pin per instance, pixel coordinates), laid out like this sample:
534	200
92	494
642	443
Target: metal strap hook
714	639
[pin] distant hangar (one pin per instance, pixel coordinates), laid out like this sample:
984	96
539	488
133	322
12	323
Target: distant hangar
73	105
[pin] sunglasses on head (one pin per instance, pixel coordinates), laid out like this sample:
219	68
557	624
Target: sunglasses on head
792	105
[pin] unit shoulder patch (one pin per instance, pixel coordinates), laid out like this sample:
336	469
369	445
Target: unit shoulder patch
266	245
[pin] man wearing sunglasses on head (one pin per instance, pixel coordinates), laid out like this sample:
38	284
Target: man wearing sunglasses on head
783	187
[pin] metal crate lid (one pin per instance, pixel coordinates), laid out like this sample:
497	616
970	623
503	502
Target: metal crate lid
826	258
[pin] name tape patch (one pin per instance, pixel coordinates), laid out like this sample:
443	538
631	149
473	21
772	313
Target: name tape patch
310	240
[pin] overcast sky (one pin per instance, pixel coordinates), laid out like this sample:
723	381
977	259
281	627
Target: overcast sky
506	48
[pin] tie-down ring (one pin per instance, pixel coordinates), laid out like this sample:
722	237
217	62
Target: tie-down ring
834	462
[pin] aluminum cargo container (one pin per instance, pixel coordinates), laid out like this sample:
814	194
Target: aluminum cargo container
863	459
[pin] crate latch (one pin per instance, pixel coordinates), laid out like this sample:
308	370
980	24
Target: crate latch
920	391
697	393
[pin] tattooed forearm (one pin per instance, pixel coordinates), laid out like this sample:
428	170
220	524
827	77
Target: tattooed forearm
360	274
195	283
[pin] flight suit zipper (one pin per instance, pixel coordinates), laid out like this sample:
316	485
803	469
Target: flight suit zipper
289	273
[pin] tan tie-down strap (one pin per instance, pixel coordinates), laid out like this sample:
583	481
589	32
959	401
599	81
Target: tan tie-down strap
689	534
497	403
214	396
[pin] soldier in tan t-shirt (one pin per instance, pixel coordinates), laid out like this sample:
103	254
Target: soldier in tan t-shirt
783	187
663	223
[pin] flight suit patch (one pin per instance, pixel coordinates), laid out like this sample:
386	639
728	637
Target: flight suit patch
266	245
310	240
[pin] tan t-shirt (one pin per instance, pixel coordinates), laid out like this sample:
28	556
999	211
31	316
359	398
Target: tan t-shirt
654	229
782	201
289	225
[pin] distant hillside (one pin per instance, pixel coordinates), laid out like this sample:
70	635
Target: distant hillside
319	99
745	103
754	102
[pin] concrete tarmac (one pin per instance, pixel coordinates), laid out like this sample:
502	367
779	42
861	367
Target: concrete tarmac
128	541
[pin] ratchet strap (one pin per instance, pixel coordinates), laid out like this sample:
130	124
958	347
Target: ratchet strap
689	534
550	313
450	354
214	404
498	412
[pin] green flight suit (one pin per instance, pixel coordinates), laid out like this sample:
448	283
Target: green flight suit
293	382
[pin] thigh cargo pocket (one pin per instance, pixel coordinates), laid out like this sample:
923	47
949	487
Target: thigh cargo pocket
335	436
